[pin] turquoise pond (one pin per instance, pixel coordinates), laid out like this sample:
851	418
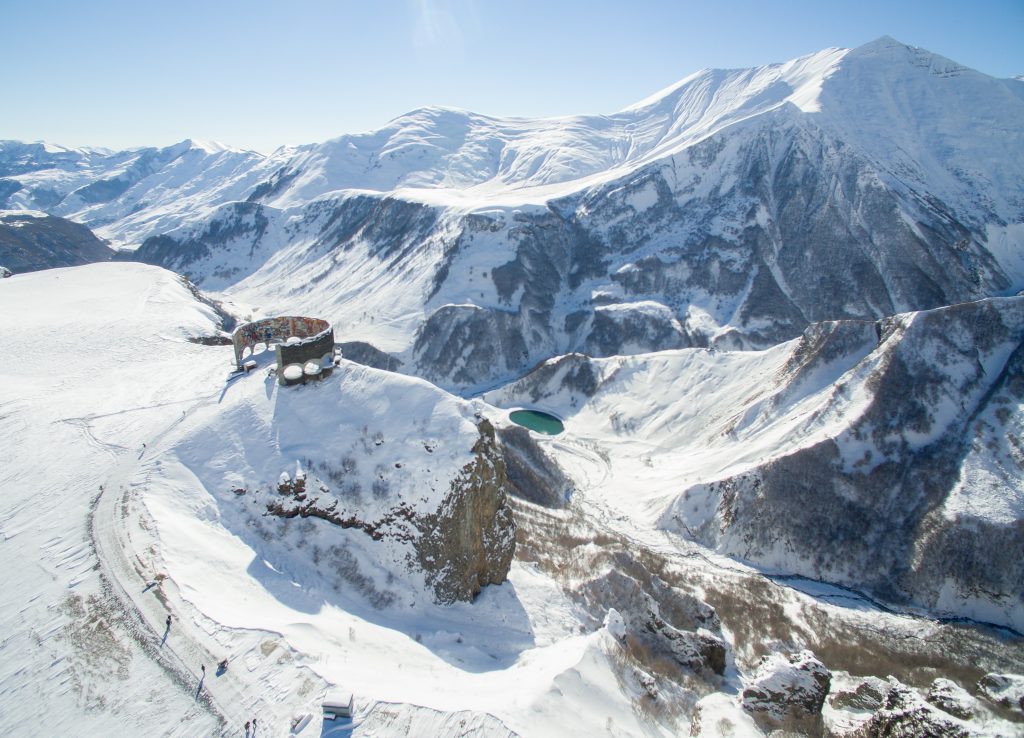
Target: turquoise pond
537	421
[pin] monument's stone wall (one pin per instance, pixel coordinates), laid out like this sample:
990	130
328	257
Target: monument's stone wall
279	330
311	349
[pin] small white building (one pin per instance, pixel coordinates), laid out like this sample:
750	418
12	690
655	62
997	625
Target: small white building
338	703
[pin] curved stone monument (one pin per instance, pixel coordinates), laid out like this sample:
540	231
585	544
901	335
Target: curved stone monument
298	339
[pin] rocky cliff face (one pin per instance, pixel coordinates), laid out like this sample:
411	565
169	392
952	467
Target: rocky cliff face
463	545
649	612
788	691
469	542
741	242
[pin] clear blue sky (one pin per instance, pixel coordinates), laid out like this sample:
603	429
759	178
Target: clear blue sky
260	74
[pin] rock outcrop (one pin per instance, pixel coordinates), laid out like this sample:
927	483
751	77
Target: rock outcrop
465	544
950	697
1005	690
906	713
662	620
469	542
788	691
532	474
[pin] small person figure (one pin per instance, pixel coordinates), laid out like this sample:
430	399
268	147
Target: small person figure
203	667
247	727
254	726
168	622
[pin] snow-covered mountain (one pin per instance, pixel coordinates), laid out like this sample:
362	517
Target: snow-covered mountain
730	210
883	455
125	195
776	310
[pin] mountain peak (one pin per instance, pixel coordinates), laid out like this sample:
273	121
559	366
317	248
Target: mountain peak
892	51
207	146
883	42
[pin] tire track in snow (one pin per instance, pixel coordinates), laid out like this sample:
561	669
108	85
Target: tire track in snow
124	572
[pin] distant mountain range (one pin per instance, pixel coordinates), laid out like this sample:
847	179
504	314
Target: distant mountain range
731	210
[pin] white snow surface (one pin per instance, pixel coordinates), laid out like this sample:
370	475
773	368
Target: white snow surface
124	400
681	418
97	368
22	214
118	397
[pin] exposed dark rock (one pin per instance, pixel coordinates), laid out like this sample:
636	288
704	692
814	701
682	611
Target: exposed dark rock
906	714
277	182
464	344
664	620
798	252
103	190
788	691
7	188
950	697
628	329
29	243
532	474
574	374
1006	690
211	340
226	320
939	382
469	542
869	695
233	224
462	546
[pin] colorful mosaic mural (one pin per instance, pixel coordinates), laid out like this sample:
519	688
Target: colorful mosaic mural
277	330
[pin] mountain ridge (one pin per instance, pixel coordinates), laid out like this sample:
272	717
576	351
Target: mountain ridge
492	156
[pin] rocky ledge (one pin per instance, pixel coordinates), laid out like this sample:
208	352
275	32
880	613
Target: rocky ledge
465	544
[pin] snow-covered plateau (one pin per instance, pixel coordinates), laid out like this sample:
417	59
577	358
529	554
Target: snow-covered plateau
778	312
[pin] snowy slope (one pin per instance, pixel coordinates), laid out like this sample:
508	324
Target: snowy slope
730	210
127	195
846	219
936	127
910	111
885	456
78	397
482	158
136	408
121	399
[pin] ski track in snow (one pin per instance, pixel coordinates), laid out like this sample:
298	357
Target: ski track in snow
181	652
